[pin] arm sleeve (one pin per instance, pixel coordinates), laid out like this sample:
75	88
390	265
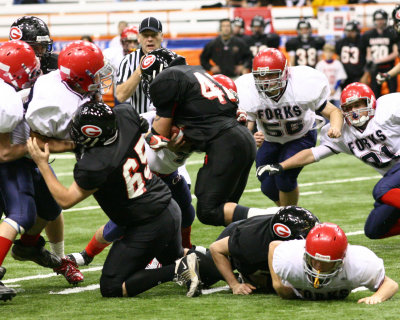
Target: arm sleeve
11	112
164	94
205	56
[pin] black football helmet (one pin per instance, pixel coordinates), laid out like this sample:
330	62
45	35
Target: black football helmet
396	18
257	21
34	31
292	222
353	25
238	22
156	61
94	124
301	25
380	14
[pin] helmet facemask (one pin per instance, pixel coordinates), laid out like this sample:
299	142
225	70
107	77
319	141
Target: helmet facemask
360	116
321	278
103	79
274	83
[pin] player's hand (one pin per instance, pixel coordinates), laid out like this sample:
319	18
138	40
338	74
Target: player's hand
243	288
156	142
241	116
144	125
259	138
334	133
370	300
272	169
382	77
39	156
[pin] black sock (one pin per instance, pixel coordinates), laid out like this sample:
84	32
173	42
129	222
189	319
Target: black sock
240	213
146	279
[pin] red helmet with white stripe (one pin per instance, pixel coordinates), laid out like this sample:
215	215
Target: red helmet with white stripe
270	71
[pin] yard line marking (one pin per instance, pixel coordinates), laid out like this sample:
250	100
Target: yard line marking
355	233
44	276
214	290
77	289
338	181
82	209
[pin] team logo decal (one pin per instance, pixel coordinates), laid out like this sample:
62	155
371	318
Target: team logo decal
91	131
397	14
15	33
148	61
281	230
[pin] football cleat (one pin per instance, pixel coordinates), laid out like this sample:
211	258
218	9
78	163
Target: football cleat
38	254
5	293
80	258
187	272
70	271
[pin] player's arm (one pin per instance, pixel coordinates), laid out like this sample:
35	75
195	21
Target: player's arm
55	145
387	290
335	117
8	151
283	291
65	197
382	77
220	252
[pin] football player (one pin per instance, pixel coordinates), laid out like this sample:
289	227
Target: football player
125	189
371	133
381	51
191	99
28	206
259	40
351	53
325	267
282	100
35	32
304	50
169	167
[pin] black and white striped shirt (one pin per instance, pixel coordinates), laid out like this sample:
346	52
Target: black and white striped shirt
128	65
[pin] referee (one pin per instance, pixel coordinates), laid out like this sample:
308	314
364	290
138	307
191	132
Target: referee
129	86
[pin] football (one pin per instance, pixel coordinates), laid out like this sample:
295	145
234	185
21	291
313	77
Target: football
176	131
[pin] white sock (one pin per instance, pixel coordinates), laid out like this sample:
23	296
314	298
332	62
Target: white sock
262	212
58	248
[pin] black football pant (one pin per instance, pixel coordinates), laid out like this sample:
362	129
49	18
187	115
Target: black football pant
160	238
223	177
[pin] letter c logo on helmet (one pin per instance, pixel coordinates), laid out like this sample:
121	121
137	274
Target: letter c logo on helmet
91	131
397	16
148	61
15	33
281	230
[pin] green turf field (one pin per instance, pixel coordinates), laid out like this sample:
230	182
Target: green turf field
332	189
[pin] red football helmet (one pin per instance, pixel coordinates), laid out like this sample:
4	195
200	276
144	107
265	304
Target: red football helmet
18	64
355	92
270	70
325	243
229	84
130	33
81	63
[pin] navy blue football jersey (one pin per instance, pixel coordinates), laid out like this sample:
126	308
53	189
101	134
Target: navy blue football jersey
127	190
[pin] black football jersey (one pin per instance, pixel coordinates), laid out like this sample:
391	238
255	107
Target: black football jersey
128	192
49	62
352	56
381	45
258	42
195	101
306	52
249	242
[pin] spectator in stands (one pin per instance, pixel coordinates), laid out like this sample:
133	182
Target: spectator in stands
229	53
305	49
259	40
116	41
334	71
351	53
29	1
129	87
381	51
86	37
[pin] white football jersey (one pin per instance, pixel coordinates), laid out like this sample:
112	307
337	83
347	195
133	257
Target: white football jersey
52	106
164	161
12	114
293	115
378	145
361	267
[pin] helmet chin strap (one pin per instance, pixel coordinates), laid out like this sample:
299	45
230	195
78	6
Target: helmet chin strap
316	280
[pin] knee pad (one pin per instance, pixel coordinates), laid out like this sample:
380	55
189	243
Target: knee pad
210	215
269	188
110	287
112	231
15	225
287	181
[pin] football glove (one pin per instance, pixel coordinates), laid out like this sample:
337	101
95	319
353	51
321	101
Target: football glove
272	169
156	142
241	116
144	125
382	77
